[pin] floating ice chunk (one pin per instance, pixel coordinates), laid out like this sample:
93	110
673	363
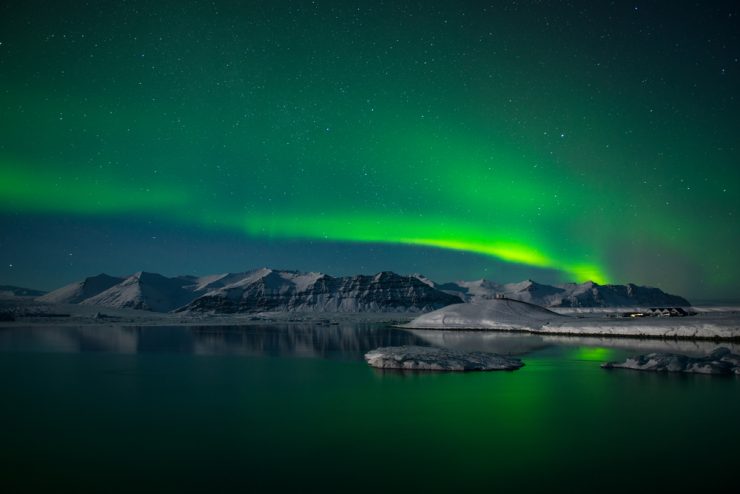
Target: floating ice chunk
438	359
720	361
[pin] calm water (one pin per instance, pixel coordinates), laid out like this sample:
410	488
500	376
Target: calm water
295	408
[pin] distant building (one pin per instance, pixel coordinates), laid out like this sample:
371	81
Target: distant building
667	312
660	312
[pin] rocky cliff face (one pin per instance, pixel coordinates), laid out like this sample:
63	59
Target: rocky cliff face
279	291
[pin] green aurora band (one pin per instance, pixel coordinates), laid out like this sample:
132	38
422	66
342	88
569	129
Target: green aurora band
471	135
42	191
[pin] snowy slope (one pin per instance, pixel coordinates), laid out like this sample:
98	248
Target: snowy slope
488	314
77	292
147	291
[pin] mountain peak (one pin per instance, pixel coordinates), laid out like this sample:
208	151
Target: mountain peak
424	279
145	275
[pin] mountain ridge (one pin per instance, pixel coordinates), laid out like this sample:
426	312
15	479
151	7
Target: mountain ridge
266	289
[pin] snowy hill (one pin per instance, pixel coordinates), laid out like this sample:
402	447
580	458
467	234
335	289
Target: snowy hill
502	314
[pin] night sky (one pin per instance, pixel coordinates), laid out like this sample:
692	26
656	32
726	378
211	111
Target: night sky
508	140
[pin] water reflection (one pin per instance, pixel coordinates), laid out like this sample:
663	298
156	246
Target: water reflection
310	340
522	343
644	345
482	341
345	341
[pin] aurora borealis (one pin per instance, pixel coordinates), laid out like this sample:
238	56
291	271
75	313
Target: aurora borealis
575	141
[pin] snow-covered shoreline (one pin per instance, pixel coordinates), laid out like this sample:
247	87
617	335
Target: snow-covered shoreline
492	315
511	315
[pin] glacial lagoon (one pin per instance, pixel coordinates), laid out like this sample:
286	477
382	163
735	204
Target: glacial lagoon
294	407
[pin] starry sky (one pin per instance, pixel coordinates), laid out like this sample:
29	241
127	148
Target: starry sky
559	141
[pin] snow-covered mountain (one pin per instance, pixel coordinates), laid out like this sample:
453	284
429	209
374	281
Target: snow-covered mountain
588	294
148	291
270	290
254	291
277	290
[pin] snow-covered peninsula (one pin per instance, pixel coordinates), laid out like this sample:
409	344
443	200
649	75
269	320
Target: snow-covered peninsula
513	315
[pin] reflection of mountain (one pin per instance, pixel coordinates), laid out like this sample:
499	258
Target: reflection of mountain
645	345
69	339
348	341
301	340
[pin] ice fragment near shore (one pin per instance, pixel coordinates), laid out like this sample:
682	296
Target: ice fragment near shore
720	361
438	359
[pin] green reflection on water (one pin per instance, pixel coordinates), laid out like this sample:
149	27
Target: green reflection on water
595	354
265	424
